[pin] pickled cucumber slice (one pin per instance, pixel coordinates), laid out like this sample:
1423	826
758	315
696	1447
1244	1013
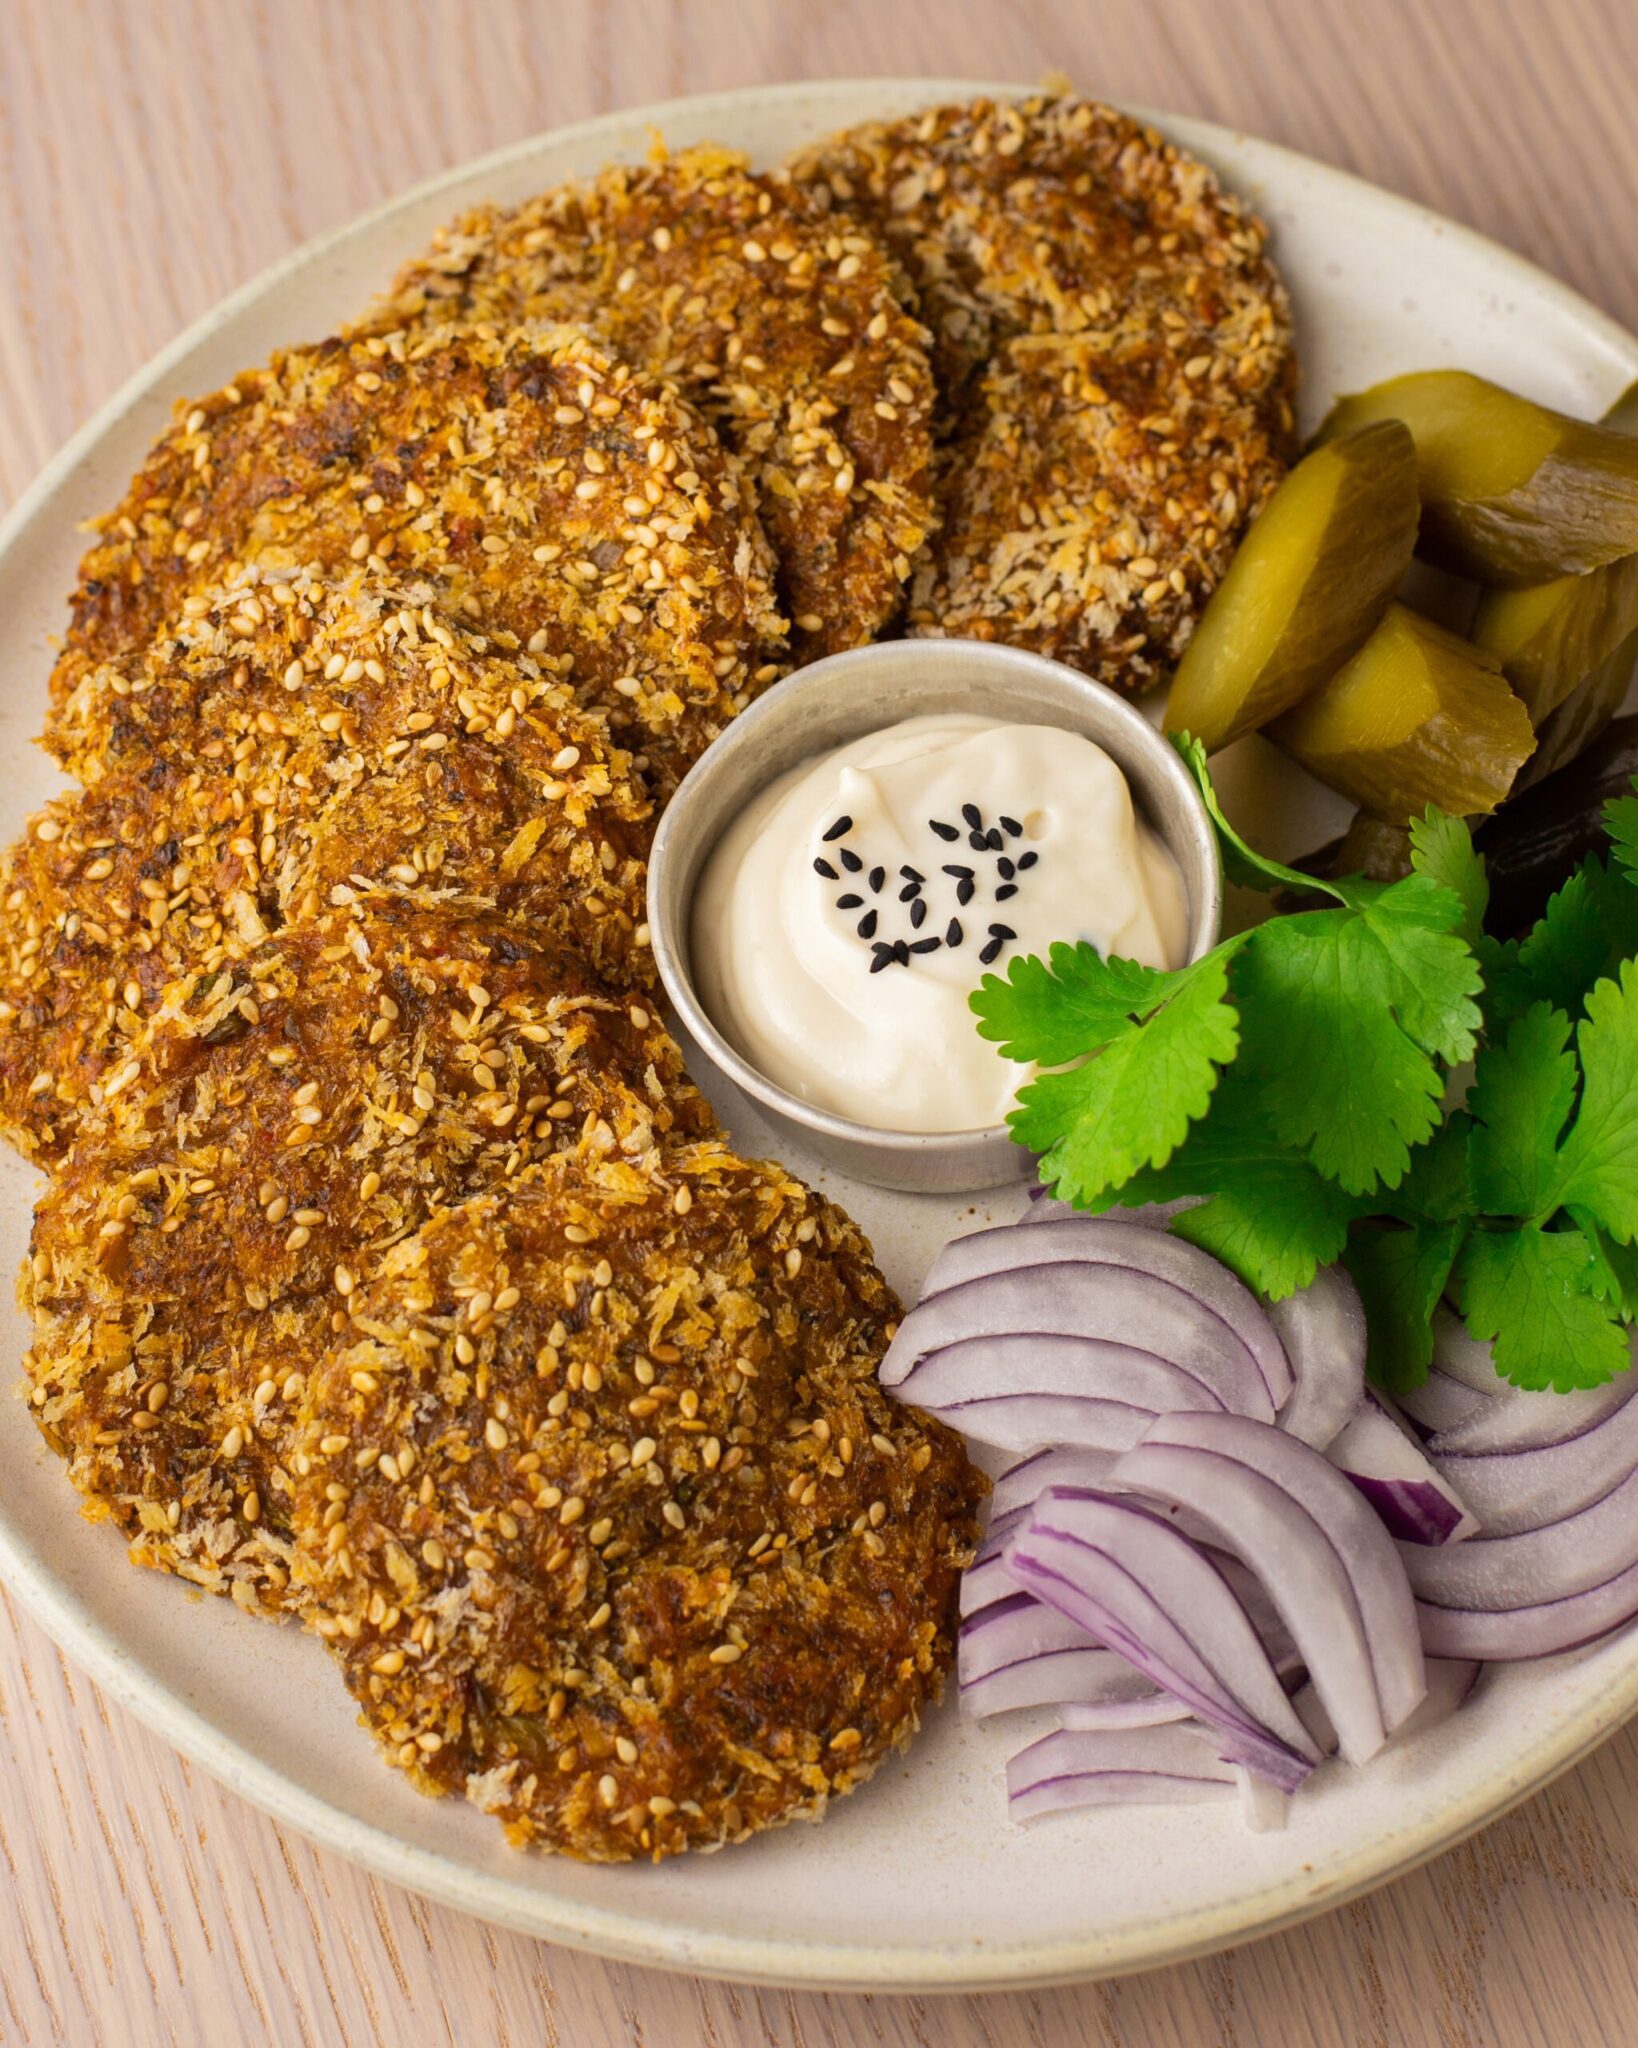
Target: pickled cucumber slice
1309	582
1418	717
1512	493
1550	637
1584	714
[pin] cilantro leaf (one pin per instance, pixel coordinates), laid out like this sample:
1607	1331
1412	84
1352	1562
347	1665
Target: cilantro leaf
1400	1275
1058	1012
1438	1188
1621	823
1344	1012
1442	848
1598	1161
1240	862
1615	1266
1132	1103
1522	1094
1268	1215
1530	1295
1588	928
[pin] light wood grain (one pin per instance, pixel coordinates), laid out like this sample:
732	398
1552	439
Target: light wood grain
152	156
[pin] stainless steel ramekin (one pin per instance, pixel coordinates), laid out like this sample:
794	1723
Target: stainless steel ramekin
841	699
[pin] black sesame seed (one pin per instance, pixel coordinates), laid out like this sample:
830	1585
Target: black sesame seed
964	890
842	825
973	815
993	839
867	925
1005	869
849	859
987	953
926	945
1006	889
978	841
1012	827
877	877
918	914
1027	860
961	874
849	902
952	936
901	952
823	867
944	831
912	874
880	957
909	892
1002	931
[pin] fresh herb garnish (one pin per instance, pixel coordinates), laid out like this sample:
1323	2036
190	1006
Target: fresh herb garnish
1302	1083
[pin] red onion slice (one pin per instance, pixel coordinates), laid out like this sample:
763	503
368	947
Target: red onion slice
1143	1589
1327	1563
1322	1327
1151	1708
1139	1766
1414	1501
1450	1684
1524	1632
987	1580
1514	1490
1025	1422
1021	1485
1018	1653
1440	1402
1522	1420
1114	1304
1497	1573
1114	1241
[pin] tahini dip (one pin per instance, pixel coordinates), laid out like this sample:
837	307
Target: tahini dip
851	908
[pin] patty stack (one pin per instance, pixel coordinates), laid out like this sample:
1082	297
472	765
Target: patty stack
390	1271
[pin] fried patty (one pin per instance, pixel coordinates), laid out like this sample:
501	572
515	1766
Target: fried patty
775	317
1116	355
608	1519
280	1124
547	494
282	748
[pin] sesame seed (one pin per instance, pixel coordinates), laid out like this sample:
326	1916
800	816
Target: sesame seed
727	1653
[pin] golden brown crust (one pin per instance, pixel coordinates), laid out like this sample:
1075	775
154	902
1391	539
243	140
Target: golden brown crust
279	1124
608	1518
548	494
1115	349
777	323
283	747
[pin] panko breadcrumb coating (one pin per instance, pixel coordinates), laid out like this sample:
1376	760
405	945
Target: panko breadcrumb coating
548	494
609	1520
1116	351
774	316
283	747
282	1122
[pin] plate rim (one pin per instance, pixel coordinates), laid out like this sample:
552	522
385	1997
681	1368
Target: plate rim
621	1935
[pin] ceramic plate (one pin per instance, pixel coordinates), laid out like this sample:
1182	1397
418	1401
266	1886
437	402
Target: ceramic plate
919	1882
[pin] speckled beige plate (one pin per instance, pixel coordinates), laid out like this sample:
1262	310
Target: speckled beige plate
919	1882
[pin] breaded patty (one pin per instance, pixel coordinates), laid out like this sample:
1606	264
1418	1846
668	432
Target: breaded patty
1115	349
608	1518
774	316
281	748
547	494
281	1123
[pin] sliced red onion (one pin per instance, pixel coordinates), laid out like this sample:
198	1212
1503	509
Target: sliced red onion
1450	1683
987	1580
1115	1241
1523	1489
1440	1402
1539	1631
1150	1708
1116	1305
1145	1590
1142	1766
1021	1393
1328	1564
1519	1419
1415	1502
1533	1566
1021	1485
1322	1327
1463	1358
1019	1653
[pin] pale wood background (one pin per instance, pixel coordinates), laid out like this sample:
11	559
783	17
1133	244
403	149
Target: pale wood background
151	157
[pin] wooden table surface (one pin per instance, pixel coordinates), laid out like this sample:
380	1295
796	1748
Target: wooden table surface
153	156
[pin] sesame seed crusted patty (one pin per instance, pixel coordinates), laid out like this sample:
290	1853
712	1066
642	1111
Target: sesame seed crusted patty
280	748
608	1519
557	500
1115	349
280	1124
780	324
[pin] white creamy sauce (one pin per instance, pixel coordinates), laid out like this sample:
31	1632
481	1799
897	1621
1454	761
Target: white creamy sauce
789	959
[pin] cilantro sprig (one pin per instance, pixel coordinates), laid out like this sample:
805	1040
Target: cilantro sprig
1377	1080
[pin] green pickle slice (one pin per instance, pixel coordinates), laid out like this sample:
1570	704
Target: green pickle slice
1552	637
1308	583
1512	492
1418	717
